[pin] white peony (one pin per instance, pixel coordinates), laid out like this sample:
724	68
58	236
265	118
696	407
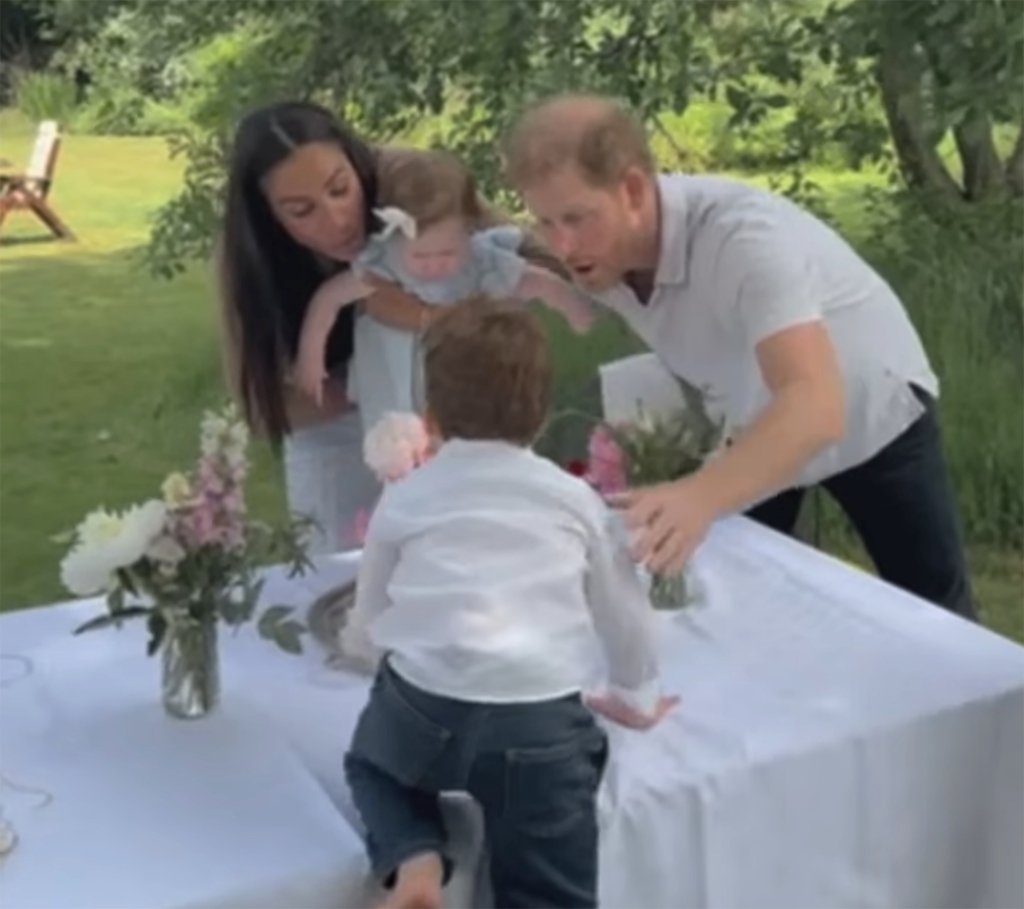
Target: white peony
107	541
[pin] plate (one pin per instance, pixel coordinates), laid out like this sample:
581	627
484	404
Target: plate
327	615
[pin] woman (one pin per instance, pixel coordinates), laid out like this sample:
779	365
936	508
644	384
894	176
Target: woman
301	193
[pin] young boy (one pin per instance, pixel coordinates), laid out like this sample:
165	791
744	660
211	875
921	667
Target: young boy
485	573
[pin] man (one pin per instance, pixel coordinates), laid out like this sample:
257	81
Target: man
806	352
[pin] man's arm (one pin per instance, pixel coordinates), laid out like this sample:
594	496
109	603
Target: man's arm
779	318
804	416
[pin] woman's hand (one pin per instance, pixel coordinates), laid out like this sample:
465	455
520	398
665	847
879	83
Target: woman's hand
391	305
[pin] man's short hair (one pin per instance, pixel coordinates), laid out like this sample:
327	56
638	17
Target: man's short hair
598	135
488	372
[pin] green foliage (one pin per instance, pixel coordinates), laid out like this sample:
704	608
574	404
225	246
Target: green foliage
963	284
386	66
45	96
668	447
780	85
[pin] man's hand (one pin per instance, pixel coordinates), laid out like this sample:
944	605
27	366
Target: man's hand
615	710
667	522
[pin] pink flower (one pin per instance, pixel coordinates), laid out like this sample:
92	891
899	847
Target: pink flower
398	444
202	528
607	462
356	534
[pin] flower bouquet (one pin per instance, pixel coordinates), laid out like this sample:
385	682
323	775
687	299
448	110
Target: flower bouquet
188	561
650	450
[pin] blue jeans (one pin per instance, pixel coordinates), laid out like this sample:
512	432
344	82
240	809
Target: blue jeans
902	505
534	768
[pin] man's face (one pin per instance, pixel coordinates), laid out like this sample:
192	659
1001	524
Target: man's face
592	229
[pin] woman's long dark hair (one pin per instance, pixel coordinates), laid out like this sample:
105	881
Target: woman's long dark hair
269	278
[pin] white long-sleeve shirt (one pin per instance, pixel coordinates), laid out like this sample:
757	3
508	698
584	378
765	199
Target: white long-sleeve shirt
486	573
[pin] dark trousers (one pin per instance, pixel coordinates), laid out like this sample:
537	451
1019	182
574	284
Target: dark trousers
535	769
902	506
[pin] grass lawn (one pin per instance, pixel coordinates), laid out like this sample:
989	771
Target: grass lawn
105	371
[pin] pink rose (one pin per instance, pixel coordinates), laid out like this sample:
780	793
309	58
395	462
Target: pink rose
607	463
356	534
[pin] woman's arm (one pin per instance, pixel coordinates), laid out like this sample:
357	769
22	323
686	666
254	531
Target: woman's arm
389	304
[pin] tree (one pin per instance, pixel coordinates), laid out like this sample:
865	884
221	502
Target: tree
940	68
386	64
877	77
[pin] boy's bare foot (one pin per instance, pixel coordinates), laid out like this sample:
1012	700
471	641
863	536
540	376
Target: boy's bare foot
418	885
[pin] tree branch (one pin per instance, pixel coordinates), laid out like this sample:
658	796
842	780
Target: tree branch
1015	165
677	149
983	174
919	162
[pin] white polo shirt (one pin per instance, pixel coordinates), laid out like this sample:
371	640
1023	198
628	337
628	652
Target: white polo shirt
739	264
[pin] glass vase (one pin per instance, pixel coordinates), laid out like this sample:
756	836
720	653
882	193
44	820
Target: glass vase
191	667
669	591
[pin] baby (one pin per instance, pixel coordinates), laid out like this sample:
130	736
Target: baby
485	575
429	244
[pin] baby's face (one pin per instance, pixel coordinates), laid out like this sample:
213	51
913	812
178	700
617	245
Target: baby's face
438	252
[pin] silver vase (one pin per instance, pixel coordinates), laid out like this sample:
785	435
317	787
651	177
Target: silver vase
191	668
669	591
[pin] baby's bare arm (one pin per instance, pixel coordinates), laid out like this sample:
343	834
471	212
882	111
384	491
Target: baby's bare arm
331	297
540	284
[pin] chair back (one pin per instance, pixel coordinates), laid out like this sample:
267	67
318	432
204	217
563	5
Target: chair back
43	161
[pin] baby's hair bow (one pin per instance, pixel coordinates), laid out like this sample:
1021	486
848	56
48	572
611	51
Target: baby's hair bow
396	219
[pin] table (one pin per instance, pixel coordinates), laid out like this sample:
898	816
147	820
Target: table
839	744
149	811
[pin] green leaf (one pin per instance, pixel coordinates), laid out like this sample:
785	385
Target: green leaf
125	578
738	98
157	625
276	627
114	618
115	600
288	639
272	616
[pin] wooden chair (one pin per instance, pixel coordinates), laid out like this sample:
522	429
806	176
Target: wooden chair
29	191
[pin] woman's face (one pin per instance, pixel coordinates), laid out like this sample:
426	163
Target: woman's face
317	197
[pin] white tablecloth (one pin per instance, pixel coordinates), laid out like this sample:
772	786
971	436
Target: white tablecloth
146	810
839	744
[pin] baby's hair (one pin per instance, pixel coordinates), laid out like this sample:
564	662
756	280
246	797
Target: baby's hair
431	186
